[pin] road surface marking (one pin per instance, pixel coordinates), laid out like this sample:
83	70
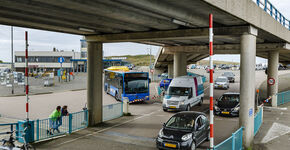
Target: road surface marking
105	129
275	131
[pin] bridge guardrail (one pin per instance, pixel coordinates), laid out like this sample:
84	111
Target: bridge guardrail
258	120
283	98
234	142
273	12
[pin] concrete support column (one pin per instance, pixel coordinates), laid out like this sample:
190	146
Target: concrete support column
247	87
179	64
170	71
95	83
273	62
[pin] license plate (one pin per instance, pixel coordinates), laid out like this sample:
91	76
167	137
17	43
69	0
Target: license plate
225	112
170	145
172	107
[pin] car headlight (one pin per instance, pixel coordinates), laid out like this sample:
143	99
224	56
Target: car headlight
186	137
182	102
236	108
146	97
216	108
160	134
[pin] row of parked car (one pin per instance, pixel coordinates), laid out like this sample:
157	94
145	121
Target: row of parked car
188	129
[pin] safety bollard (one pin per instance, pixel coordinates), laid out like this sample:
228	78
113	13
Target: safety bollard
126	106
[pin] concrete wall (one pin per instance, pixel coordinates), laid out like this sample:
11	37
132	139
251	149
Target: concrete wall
248	11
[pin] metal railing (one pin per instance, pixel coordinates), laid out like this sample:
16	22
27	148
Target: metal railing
273	12
112	111
283	98
235	142
44	128
258	120
11	126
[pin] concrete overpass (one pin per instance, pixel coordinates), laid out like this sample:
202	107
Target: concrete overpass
240	26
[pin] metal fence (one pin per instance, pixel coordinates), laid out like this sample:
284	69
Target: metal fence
235	142
44	128
273	12
112	111
283	97
258	120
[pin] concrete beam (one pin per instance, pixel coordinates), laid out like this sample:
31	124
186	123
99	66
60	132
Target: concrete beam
113	12
166	9
226	48
95	83
167	35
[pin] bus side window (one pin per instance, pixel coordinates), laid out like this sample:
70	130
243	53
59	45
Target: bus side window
121	83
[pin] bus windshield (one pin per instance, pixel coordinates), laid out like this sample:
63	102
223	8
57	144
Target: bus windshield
133	86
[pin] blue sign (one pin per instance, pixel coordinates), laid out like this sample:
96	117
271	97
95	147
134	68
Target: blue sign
250	112
60	59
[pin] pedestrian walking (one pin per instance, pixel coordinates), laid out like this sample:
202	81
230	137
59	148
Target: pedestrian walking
53	117
64	113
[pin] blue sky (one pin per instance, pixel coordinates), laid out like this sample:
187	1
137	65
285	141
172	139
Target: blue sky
45	41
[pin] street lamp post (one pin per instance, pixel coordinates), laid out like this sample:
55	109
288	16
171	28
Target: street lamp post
12	66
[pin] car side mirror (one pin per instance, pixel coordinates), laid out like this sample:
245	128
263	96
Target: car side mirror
163	124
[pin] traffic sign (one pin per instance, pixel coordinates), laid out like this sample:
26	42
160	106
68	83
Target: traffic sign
60	59
271	81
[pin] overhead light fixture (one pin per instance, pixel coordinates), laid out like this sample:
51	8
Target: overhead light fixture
181	23
86	29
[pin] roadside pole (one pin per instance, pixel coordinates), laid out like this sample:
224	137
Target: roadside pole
211	79
12	65
26	75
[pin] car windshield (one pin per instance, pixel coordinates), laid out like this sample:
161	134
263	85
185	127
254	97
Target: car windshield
221	80
179	91
229	98
181	122
133	86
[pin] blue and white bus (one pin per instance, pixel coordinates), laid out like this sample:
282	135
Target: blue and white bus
130	85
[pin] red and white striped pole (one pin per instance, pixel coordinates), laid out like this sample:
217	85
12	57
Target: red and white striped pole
26	76
211	79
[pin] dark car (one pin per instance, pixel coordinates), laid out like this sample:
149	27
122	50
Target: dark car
230	76
228	104
184	130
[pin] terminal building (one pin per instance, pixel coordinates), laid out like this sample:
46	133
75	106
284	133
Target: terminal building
41	61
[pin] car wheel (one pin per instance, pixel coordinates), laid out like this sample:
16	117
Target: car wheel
208	136
188	108
193	146
200	103
164	110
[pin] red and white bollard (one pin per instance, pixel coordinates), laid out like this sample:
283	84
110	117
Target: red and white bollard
211	115
26	76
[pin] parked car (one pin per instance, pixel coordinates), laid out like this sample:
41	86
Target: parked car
222	82
183	93
230	76
228	104
184	130
164	83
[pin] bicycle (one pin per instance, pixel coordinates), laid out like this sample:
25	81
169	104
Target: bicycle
10	143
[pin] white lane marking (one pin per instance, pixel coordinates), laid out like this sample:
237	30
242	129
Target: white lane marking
275	131
69	141
275	108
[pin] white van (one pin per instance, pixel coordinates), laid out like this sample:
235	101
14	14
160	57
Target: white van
183	93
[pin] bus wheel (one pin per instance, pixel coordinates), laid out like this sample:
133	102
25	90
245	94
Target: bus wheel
116	96
200	103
